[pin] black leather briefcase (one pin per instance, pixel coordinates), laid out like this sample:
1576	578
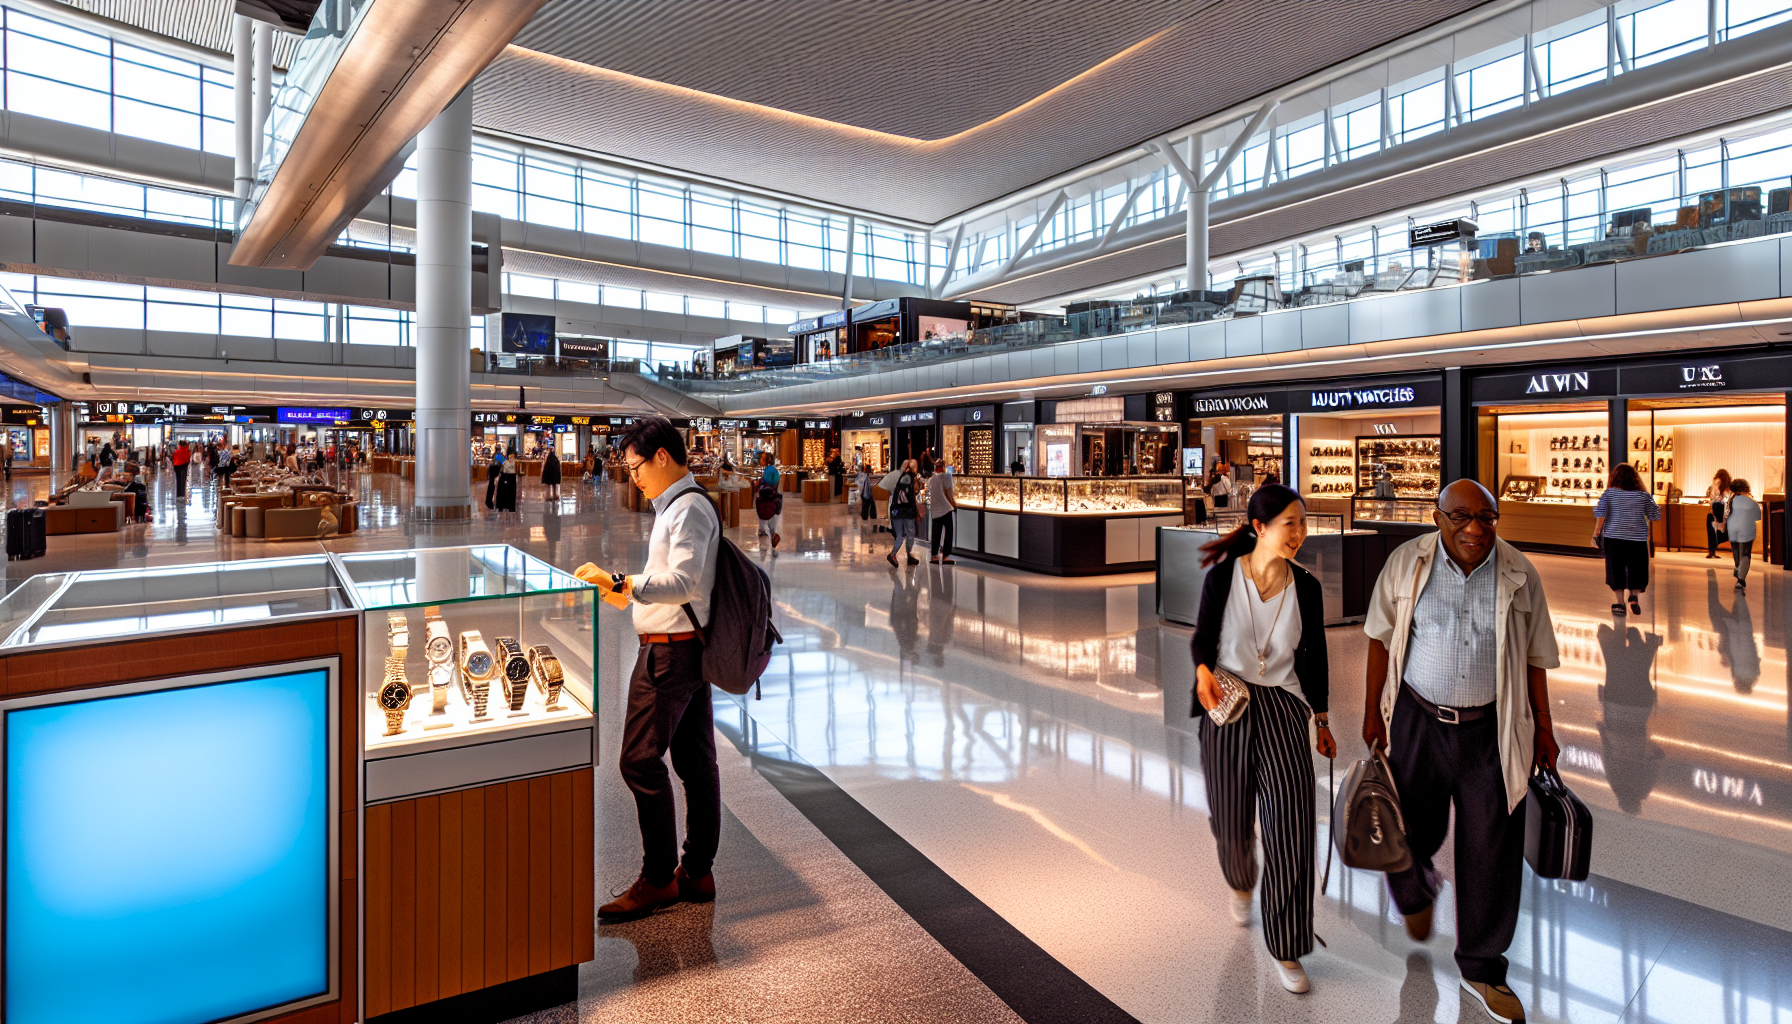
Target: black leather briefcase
1558	829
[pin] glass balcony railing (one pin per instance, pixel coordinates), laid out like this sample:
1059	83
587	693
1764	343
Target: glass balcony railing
1489	257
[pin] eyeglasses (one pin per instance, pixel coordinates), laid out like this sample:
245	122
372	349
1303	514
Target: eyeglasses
634	467
1488	518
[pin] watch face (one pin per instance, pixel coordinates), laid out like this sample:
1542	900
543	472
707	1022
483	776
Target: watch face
517	670
394	695
479	664
439	647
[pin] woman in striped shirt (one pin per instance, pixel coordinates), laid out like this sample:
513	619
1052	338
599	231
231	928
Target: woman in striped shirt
1621	529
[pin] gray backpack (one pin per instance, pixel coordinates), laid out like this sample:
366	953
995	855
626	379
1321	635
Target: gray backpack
1368	830
738	643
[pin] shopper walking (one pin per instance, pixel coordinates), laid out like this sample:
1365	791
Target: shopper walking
1219	487
1740	520
1460	644
180	460
837	471
550	475
940	519
867	499
1718	497
507	485
902	485
492	470
768	505
669	706
1262	619
1621	531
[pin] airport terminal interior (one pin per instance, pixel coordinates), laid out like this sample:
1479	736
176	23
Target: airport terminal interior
331	332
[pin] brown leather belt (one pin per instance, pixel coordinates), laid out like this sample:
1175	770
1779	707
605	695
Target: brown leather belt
1449	715
666	638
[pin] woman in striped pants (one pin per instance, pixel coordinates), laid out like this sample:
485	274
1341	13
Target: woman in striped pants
1262	619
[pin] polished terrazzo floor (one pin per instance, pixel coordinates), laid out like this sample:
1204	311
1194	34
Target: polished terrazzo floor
1030	737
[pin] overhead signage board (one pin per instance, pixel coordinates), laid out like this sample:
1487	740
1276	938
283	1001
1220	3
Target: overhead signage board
818	424
808	326
1698	375
329	417
1547	385
1352	397
909	419
1440	233
1163	407
1249	403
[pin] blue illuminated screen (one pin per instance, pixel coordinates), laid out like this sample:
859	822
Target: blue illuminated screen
167	854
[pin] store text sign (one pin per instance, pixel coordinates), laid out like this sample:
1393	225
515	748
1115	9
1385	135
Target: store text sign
1382	396
1558	383
1545	384
1258	403
1710	375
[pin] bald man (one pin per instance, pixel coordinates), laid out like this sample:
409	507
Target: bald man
1463	720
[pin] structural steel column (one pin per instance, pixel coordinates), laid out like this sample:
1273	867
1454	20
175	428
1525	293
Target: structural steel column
264	83
244	83
1197	239
444	306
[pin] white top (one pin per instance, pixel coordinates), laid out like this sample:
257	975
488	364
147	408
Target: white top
1741	516
1238	649
938	487
681	562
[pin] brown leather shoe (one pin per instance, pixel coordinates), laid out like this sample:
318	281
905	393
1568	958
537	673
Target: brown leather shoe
695	890
1418	923
641	899
1500	1002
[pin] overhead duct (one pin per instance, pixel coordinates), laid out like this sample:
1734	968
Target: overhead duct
369	75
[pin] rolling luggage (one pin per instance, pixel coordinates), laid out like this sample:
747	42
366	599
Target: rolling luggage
25	533
1558	829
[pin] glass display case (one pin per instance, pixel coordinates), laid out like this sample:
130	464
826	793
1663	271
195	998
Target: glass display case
470	644
1001	493
97	604
1318	523
1414	464
967	491
1395	510
1098	495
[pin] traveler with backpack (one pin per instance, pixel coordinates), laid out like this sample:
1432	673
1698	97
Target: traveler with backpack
768	503
905	509
1260	638
1460	645
668	698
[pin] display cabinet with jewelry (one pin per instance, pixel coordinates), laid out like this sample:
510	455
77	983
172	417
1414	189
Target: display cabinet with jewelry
476	668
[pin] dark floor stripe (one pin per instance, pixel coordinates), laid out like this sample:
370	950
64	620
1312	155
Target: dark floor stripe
1027	978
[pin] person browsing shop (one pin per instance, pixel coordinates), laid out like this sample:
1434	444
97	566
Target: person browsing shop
940	507
1460	645
1262	620
1717	495
668	702
1621	531
1740	520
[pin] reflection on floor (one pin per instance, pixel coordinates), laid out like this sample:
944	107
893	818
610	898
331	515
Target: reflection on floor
1030	737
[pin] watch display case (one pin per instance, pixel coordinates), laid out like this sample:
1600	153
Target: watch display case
468	645
1395	510
1001	493
1094	495
1415	464
967	491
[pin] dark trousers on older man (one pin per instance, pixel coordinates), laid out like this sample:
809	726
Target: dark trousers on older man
669	710
1436	766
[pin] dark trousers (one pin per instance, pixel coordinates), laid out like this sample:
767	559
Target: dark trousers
1437	765
669	709
1258	768
1714	535
942	528
180	481
867	505
1740	552
1626	563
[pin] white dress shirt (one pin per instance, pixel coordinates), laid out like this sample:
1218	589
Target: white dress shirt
681	561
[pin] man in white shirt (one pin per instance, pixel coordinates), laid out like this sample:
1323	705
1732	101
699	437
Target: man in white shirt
668	701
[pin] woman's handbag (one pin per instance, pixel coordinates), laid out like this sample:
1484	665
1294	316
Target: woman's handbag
1235	696
1558	829
1367	827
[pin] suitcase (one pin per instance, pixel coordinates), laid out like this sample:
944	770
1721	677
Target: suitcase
1558	829
25	533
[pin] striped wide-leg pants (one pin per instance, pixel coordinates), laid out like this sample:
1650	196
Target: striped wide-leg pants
1258	768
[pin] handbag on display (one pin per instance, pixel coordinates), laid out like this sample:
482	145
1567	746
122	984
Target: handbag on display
1558	829
1367	827
1235	696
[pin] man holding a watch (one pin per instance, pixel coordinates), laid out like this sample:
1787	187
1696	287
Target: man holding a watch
668	701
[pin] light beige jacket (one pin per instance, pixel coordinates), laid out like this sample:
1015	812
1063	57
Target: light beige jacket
1523	635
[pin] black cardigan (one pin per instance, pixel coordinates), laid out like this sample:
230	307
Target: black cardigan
1311	666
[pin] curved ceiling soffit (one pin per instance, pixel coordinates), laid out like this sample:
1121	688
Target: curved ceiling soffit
1166	80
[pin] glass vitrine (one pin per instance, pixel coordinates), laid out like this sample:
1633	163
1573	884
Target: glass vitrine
1002	493
466	645
1042	495
967	491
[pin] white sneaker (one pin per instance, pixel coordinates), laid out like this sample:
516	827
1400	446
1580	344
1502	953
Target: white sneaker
1241	908
1294	977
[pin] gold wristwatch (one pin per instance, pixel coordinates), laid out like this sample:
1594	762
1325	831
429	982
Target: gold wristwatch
475	671
395	697
438	647
398	634
516	671
546	669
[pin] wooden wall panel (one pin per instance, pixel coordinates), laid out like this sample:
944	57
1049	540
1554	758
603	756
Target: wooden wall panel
481	886
127	660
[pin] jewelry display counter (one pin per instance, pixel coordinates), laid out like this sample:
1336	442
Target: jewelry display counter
479	740
1346	563
266	732
1065	526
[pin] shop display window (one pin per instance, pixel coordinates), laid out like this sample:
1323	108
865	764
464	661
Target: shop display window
815	451
952	446
469	644
1553	457
1414	465
1678	445
980	450
1002	493
1042	495
1329	469
1123	494
967	491
1384	510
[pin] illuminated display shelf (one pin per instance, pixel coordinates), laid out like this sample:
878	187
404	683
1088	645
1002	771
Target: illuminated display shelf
1065	526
